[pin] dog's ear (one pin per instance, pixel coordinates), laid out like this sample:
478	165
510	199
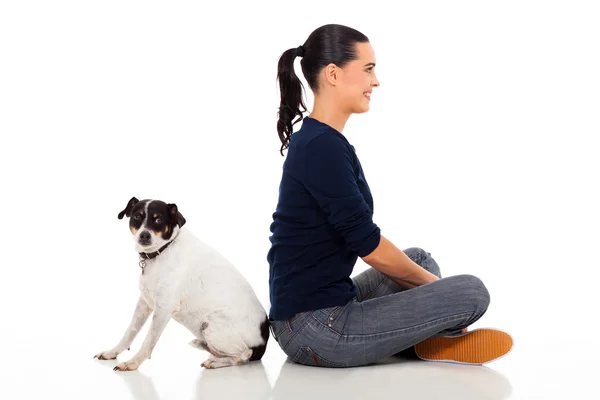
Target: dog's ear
127	211
176	215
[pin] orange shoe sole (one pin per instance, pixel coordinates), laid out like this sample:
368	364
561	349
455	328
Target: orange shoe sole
478	346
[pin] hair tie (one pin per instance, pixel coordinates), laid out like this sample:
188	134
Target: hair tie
300	51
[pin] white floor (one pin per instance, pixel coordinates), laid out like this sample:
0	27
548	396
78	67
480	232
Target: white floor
544	364
58	313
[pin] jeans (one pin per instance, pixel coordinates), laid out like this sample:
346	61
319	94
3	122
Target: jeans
383	319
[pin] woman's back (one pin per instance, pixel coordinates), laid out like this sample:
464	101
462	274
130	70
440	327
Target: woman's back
322	224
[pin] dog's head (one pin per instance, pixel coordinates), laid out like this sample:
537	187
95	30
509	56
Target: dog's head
153	223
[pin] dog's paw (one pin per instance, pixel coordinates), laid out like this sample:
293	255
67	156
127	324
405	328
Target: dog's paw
220	362
209	364
107	355
127	366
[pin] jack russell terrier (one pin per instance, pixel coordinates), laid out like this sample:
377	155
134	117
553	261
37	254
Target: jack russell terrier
185	279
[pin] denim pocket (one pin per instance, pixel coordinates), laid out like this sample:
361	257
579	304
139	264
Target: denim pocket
277	328
285	331
307	356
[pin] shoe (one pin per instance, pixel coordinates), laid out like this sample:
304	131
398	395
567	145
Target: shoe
477	347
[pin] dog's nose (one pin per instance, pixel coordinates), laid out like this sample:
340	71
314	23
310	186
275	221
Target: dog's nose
145	236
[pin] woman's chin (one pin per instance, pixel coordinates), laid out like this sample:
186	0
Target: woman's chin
363	109
366	105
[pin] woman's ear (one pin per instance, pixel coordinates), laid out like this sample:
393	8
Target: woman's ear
331	72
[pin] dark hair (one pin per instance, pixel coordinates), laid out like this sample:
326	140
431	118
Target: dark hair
327	44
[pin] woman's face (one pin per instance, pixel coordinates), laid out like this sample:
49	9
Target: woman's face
357	80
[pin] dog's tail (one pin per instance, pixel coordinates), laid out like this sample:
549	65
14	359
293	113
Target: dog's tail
257	352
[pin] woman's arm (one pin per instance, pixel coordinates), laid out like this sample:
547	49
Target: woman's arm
396	265
326	170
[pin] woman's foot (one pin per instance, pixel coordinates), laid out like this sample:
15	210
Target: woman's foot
477	347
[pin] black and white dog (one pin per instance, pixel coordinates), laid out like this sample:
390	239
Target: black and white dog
185	279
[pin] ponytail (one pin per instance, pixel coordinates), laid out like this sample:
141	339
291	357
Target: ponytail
291	89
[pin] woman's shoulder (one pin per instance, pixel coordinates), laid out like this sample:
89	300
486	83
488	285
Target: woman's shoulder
318	139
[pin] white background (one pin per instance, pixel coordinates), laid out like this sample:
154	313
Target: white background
480	147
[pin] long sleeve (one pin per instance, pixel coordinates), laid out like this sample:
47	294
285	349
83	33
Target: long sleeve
328	174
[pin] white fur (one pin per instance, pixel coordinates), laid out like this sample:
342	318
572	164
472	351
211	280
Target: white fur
191	283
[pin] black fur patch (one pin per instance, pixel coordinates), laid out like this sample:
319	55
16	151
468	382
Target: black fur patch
137	215
159	219
259	351
128	208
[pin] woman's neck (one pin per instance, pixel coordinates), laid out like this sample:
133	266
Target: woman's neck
329	114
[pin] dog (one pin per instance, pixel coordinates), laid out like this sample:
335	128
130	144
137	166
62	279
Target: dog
185	279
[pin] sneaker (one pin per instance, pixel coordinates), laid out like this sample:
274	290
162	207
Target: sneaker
478	347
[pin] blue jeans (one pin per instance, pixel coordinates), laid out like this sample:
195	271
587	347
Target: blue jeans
383	319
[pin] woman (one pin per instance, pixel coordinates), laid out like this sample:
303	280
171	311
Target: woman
323	223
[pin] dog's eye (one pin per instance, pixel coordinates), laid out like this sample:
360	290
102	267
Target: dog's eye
137	217
158	220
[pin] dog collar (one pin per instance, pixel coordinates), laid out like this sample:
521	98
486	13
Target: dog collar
149	256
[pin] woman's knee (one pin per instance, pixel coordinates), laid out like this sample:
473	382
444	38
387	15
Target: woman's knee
424	259
416	253
476	291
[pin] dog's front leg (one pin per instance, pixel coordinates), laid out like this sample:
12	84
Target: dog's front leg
140	316
161	317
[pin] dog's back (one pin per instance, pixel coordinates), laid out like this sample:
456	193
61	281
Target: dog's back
213	291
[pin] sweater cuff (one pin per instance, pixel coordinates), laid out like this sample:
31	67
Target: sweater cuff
370	243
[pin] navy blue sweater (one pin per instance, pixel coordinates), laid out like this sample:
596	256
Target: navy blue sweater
322	223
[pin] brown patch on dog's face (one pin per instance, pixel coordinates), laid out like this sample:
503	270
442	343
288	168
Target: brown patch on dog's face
133	230
157	223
